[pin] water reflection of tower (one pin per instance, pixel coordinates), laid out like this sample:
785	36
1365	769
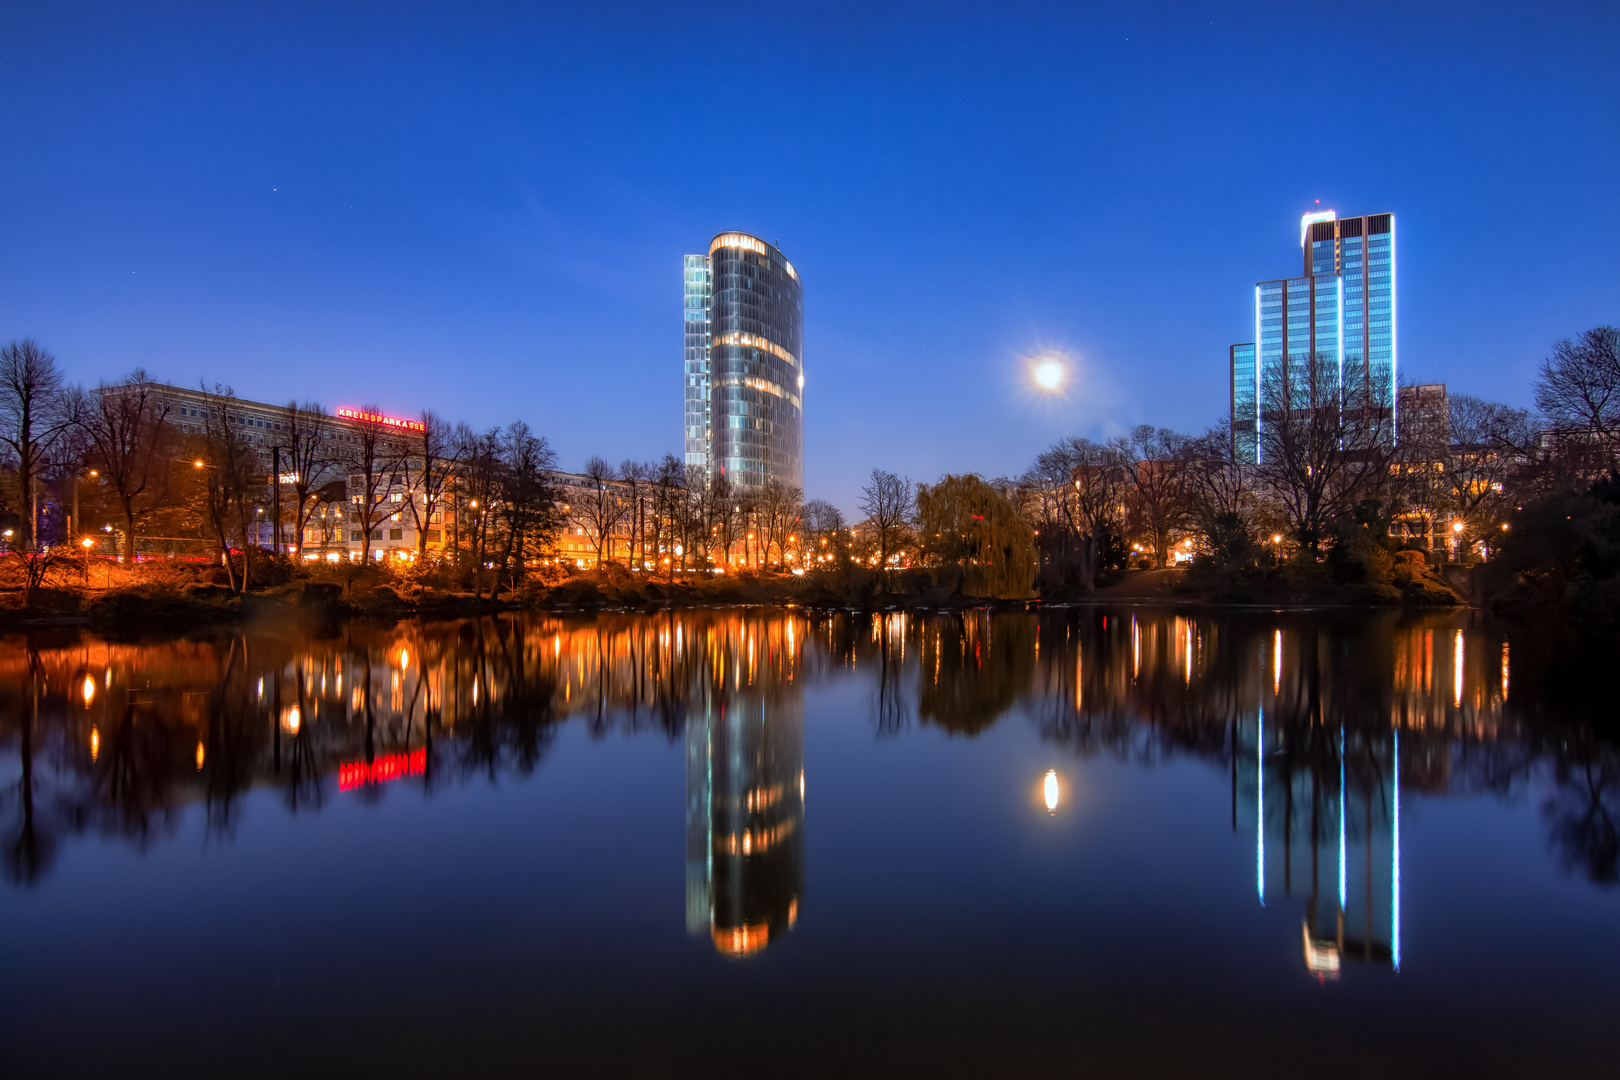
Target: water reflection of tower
1330	833
744	819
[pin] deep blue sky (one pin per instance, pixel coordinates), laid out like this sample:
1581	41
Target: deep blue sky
483	209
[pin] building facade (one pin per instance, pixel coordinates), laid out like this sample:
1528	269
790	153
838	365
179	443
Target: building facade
743	334
334	529
1327	336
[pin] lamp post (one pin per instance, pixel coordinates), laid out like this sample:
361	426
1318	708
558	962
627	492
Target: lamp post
275	497
73	519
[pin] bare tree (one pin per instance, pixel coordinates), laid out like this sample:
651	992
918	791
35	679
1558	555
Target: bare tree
477	488
635	477
314	458
887	501
597	507
778	512
1045	496
32	419
1099	480
822	523
528	505
1579	387
1220	490
375	463
1485	450
429	463
1323	450
227	483
126	426
1155	469
668	496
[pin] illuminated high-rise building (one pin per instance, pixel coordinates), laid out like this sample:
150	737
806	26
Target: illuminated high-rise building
1325	336
744	334
745	819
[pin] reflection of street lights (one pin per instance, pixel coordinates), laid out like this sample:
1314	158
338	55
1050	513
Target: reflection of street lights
1049	791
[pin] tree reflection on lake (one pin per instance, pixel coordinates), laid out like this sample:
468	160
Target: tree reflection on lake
1324	726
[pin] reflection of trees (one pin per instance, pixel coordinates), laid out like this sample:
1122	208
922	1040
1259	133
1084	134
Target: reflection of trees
130	787
124	735
107	734
973	667
1583	809
891	711
30	845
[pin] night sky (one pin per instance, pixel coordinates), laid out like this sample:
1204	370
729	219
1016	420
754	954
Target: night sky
483	209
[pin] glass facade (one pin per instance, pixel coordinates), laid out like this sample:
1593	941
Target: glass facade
1341	312
696	332
1245	404
744	363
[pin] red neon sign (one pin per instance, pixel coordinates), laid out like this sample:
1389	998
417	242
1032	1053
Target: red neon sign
389	767
375	418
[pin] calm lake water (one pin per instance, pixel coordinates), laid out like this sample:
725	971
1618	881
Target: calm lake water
1084	842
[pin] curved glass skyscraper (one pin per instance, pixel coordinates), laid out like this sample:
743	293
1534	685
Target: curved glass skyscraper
744	334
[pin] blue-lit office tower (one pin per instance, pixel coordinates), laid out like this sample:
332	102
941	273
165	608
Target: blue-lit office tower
1341	312
744	333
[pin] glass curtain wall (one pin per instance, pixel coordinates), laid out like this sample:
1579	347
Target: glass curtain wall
756	332
697	362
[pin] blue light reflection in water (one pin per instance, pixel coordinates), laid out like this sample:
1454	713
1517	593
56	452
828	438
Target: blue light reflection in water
453	829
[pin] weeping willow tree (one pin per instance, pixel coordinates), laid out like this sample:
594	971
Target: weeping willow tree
975	539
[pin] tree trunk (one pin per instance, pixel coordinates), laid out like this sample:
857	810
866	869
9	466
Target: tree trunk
129	530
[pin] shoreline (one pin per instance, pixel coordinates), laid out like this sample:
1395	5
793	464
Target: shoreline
122	612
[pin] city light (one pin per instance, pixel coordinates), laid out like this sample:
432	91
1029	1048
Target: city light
88	543
88	690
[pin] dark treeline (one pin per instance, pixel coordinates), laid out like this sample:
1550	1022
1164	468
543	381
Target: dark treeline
123	470
1340	492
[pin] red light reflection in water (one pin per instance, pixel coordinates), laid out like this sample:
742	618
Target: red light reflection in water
390	767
